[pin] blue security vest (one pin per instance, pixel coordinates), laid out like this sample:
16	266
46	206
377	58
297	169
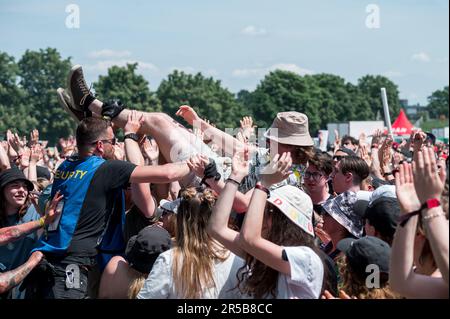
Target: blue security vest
73	179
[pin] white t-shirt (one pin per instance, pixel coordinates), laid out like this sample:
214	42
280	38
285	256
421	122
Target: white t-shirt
306	277
160	283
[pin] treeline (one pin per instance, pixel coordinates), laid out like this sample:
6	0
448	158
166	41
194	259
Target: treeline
28	100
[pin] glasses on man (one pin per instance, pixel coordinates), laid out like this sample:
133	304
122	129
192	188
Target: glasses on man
112	141
314	175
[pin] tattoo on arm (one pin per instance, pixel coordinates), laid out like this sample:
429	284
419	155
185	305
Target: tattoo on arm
13	233
12	278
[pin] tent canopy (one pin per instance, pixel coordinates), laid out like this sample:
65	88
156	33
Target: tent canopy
402	126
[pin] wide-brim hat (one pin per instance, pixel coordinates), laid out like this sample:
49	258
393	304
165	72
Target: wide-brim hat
295	204
342	209
12	175
290	128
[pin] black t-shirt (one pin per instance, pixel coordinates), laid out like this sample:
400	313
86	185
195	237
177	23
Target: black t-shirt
102	199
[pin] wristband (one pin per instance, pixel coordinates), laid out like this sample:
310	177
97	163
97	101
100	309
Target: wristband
132	136
233	181
41	222
264	189
431	203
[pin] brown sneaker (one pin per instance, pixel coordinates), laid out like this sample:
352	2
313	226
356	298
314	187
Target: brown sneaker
78	90
64	100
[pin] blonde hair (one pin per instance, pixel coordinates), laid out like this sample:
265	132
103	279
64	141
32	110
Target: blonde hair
194	252
355	286
137	282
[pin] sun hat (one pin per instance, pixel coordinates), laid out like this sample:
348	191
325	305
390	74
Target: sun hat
290	128
342	209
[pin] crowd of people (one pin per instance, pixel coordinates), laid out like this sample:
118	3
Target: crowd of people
190	213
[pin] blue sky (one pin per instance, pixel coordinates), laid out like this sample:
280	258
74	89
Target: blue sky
239	42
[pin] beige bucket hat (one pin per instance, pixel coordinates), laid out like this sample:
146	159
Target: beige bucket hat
293	129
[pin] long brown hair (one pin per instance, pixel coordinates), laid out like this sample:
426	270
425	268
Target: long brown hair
195	251
259	280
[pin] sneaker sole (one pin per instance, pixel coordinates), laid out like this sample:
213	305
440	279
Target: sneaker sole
69	77
64	100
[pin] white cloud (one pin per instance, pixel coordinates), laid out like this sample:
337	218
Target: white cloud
107	53
421	57
393	74
259	72
103	66
253	31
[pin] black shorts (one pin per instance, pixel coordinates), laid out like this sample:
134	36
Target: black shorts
59	280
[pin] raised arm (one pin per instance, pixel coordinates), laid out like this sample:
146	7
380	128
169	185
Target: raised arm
250	239
161	174
218	223
430	186
4	160
13	233
402	277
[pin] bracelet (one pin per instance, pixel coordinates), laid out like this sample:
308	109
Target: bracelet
233	181
427	218
264	189
41	222
405	218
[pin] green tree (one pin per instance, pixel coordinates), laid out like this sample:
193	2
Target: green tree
14	113
282	91
438	103
132	89
41	73
370	89
206	95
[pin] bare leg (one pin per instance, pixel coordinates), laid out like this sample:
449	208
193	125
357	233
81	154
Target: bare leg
173	139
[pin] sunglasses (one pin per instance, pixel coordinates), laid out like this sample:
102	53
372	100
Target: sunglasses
112	141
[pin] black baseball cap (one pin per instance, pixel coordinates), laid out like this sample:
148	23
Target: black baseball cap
14	174
43	172
143	248
383	214
366	251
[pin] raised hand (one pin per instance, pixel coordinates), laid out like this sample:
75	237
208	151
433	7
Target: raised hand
24	160
34	137
188	114
240	165
427	182
277	170
405	190
36	153
247	128
51	212
364	154
134	122
419	139
16	143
